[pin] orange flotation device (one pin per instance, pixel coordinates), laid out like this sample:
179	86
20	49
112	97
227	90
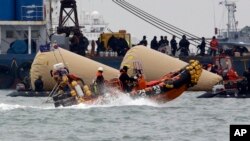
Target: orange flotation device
232	74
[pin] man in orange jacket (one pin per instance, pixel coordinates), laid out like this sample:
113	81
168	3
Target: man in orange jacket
214	46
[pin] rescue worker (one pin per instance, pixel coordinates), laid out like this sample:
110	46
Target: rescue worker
69	84
141	82
154	43
38	84
184	46
161	42
143	41
232	74
124	78
60	75
99	82
166	42
173	45
202	46
214	46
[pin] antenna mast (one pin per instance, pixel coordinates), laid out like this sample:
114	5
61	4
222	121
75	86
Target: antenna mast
66	15
232	24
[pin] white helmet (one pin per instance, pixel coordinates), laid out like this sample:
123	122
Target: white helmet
100	69
58	66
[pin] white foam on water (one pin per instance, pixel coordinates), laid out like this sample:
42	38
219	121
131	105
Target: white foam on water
109	100
5	107
119	99
8	107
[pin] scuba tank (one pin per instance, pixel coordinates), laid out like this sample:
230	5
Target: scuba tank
78	89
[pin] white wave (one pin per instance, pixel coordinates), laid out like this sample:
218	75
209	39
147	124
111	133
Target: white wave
10	107
7	107
109	100
119	99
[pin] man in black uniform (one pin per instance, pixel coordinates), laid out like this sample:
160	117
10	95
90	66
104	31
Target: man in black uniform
39	84
154	43
143	41
202	46
184	46
124	78
173	45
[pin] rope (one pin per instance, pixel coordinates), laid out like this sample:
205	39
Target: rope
62	57
55	55
52	92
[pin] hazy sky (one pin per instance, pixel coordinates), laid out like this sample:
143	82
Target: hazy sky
198	17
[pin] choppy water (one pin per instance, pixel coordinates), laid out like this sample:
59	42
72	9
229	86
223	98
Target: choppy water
184	119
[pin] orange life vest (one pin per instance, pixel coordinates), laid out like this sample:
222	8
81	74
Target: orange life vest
141	83
232	75
214	44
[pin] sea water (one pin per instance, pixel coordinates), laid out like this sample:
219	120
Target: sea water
186	118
